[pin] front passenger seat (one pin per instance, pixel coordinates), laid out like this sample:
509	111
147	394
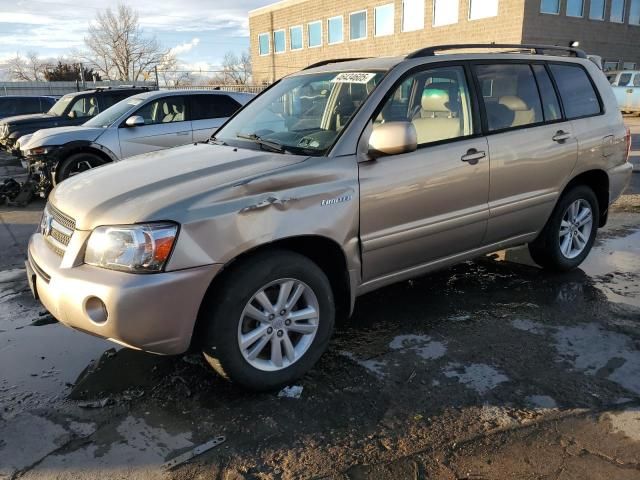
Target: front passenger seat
436	120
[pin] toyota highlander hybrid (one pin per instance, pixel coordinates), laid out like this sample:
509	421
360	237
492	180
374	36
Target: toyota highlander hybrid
337	180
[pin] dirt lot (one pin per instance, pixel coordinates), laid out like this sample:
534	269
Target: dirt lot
489	370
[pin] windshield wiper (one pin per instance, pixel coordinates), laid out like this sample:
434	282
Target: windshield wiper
215	141
273	146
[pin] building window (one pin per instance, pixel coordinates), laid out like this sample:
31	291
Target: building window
575	8
335	30
264	44
550	6
412	15
482	9
610	65
279	41
314	34
445	12
628	66
617	11
384	18
295	38
596	10
358	25
634	14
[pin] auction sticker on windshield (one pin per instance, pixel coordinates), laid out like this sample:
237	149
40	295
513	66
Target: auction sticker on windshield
353	77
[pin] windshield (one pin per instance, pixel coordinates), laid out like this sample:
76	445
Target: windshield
303	114
113	113
60	106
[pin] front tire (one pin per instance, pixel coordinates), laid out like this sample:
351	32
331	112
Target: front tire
568	236
270	321
75	164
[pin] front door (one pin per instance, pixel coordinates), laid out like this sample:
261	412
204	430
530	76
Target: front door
429	204
166	125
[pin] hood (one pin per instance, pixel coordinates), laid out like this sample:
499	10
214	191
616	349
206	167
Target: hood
32	117
164	185
62	135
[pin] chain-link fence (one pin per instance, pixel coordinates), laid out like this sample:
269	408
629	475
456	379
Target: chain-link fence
226	88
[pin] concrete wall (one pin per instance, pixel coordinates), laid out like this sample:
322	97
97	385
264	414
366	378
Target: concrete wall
506	27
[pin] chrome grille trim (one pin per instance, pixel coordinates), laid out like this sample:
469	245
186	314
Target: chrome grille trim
59	229
61	218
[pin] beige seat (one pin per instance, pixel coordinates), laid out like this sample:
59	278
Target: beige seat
178	113
436	120
522	114
167	114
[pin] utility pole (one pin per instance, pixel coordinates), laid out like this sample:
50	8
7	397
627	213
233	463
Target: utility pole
84	84
155	69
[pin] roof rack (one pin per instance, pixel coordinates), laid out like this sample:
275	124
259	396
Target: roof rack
335	60
537	49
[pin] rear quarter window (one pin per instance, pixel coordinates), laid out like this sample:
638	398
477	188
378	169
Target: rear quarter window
577	93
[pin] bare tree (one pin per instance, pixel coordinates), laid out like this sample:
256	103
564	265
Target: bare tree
171	74
236	69
29	69
117	49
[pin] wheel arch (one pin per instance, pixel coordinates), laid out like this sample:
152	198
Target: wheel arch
323	251
598	181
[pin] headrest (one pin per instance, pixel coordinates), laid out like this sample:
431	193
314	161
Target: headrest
435	100
514	104
165	108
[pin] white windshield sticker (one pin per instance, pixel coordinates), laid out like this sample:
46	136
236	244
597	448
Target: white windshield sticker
353	77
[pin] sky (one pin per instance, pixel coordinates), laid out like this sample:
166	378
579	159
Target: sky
198	31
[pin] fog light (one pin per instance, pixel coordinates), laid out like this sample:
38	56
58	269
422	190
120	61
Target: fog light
96	310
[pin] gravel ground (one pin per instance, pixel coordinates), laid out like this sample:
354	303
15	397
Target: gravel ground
492	369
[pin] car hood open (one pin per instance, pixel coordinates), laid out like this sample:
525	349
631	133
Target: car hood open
162	185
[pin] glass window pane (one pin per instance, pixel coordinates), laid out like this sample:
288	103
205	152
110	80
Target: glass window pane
445	12
84	107
483	9
634	14
550	103
164	110
279	44
412	15
578	96
575	8
636	81
550	6
263	43
336	34
358	25
314	34
295	40
510	95
440	110
617	11
384	17
624	80
596	10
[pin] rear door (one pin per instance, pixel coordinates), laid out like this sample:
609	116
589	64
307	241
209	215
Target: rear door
166	125
209	112
533	148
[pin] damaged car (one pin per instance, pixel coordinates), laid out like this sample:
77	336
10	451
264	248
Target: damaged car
336	181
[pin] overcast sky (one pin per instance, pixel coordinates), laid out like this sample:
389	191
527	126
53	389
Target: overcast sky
200	31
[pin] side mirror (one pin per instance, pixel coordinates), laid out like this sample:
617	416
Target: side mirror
135	121
392	138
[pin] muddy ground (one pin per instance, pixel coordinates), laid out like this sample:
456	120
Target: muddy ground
492	369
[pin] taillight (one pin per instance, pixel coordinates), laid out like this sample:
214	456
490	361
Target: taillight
627	139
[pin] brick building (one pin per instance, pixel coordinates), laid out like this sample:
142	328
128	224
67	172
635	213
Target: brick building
291	34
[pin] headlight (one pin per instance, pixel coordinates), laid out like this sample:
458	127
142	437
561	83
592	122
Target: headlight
40	150
140	248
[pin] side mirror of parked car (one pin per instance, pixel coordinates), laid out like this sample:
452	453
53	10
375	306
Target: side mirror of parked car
392	138
135	121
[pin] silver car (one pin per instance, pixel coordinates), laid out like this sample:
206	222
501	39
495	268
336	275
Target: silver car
140	124
337	180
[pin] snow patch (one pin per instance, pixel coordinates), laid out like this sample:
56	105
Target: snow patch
478	376
421	345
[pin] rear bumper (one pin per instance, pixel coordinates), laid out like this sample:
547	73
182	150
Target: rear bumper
619	178
153	312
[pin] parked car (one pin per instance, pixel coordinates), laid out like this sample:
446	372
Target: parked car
139	124
12	105
247	247
626	87
72	109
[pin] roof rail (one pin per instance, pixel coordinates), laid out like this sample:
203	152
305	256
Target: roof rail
537	49
113	87
335	60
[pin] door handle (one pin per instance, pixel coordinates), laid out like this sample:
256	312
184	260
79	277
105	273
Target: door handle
182	133
473	156
629	90
561	136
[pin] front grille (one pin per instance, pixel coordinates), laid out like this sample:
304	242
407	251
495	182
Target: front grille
57	229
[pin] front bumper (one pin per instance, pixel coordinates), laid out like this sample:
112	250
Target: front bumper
152	312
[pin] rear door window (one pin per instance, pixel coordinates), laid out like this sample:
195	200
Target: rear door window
510	95
636	80
577	93
212	106
550	103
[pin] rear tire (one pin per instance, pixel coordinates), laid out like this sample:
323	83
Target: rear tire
74	164
261	332
569	234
